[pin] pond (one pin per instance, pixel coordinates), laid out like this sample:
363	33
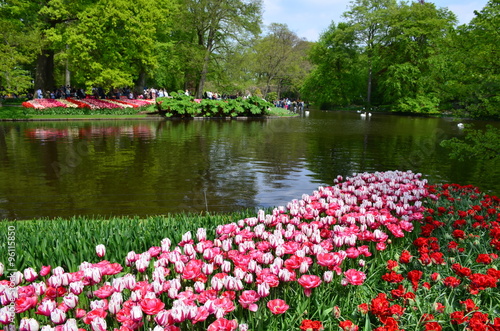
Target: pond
143	167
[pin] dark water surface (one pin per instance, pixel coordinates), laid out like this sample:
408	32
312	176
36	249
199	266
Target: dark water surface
105	168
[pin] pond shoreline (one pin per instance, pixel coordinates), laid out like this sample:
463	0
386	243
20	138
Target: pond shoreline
158	118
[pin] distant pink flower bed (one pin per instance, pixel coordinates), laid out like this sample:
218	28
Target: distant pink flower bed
91	103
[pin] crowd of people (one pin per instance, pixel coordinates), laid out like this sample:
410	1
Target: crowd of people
291	105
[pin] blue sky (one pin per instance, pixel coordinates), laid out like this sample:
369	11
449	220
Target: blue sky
308	18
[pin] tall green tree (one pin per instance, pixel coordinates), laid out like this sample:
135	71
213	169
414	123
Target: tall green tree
474	83
367	19
115	43
213	25
18	44
410	54
338	76
277	56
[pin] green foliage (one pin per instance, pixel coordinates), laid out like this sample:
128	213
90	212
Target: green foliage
68	242
271	96
473	84
12	113
477	144
180	105
425	104
339	74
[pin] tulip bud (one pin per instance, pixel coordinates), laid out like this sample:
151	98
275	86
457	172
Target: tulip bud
2	268
16	278
100	250
98	324
328	276
136	313
30	274
58	271
76	287
28	324
162	317
57	316
201	234
207	268
70	300
336	312
6	316
186	236
114	306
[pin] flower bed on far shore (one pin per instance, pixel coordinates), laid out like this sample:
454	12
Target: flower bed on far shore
91	103
382	251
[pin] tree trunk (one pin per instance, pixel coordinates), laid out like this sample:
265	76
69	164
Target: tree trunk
369	84
203	77
140	83
44	77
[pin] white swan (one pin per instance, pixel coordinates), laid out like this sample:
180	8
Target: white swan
460	125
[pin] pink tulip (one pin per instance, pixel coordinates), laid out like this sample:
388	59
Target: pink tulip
309	282
57	316
201	315
328	276
28	324
6	315
263	290
25	303
46	307
354	277
136	313
76	287
30	274
70	300
277	306
100	250
98	324
223	324
16	278
163	318
151	306
247	300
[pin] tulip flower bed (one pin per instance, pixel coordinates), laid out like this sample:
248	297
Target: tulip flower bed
90	103
382	251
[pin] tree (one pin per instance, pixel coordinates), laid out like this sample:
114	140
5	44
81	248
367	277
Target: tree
338	74
17	46
474	84
367	19
477	144
409	56
115	43
277	56
213	25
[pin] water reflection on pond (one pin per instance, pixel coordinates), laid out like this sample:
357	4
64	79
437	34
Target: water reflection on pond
50	169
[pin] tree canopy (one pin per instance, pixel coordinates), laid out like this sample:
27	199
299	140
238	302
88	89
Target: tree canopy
399	56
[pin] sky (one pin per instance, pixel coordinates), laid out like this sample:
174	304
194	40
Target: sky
309	18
